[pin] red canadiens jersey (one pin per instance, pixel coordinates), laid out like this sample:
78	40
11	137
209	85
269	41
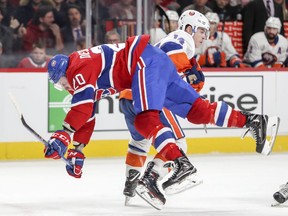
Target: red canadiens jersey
98	72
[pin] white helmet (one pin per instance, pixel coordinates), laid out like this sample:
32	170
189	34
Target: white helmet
273	22
213	17
194	19
172	15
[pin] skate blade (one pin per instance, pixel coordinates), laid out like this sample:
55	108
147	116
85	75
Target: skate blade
143	192
244	133
272	130
127	200
187	183
276	204
279	205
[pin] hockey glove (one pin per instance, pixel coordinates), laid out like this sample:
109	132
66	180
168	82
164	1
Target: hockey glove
57	144
215	58
76	158
195	78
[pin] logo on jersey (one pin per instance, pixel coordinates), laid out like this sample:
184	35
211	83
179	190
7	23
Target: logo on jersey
102	93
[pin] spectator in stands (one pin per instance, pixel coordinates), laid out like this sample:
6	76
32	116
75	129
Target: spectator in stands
14	3
101	16
43	29
169	4
5	61
112	37
255	14
172	24
27	8
282	3
79	3
17	31
267	48
217	51
37	58
11	38
184	3
60	8
6	36
7	10
123	9
74	29
156	31
225	10
199	5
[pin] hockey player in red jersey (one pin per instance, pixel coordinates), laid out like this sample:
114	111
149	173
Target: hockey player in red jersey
94	73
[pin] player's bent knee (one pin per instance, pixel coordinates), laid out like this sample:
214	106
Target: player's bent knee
147	123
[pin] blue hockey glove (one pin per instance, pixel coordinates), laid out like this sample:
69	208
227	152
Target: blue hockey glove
235	61
195	78
57	144
76	159
215	58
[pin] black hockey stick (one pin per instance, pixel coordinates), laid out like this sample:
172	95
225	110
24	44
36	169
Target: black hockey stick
32	131
222	29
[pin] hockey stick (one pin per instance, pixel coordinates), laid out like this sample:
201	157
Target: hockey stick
222	29
32	131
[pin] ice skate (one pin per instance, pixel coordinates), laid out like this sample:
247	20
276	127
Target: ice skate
281	196
130	185
183	177
148	189
261	127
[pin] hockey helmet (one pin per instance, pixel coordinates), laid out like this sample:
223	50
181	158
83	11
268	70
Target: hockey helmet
194	19
273	22
172	15
57	67
213	17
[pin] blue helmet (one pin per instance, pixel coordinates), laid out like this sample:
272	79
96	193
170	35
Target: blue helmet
57	67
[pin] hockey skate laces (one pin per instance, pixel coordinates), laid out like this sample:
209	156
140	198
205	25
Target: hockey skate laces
175	169
252	130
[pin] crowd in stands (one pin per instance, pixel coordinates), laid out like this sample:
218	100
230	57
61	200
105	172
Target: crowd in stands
31	31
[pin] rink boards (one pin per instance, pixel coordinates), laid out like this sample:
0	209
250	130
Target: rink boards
44	109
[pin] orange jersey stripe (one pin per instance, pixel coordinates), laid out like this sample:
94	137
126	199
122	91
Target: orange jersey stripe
135	160
181	61
174	124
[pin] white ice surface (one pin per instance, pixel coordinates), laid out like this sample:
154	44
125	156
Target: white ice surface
234	185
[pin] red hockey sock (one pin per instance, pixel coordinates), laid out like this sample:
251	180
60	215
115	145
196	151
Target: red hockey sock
171	151
237	119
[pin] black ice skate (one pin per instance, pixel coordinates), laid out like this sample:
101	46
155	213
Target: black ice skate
130	185
183	177
148	189
260	127
281	196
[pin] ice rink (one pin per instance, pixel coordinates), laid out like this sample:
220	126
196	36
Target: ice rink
238	184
